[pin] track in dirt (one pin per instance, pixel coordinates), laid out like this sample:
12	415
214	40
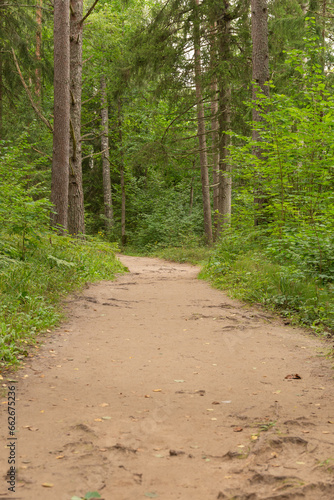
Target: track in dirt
160	387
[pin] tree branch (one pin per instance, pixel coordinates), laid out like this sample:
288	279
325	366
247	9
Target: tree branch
33	104
89	12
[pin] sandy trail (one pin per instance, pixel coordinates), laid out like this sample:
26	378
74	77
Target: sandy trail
160	387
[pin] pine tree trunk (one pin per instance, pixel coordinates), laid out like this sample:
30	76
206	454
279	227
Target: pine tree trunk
108	209
260	59
76	215
224	112
214	125
225	178
201	130
38	79
61	146
123	213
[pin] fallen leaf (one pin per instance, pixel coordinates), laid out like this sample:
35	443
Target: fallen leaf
237	429
215	403
276	392
103	405
47	485
293	376
97	419
254	438
325	432
300	463
151	494
226	402
213	418
157	390
1	377
147	396
60	457
106	418
179	381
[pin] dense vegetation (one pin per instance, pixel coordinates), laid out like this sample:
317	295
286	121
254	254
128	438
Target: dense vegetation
171	119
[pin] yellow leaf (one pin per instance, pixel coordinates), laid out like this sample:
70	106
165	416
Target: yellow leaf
97	419
156	390
47	485
60	457
104	405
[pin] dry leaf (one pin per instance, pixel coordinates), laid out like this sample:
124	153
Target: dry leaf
47	485
60	457
237	429
103	405
293	376
97	419
156	390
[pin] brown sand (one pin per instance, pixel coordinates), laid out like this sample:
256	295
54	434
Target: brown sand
160	387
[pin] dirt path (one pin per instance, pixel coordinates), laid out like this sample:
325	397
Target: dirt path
160	387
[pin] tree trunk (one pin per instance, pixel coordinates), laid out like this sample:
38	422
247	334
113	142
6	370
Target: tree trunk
214	125
201	129
123	229
260	59
225	178
107	197
224	104
38	79
76	214
61	146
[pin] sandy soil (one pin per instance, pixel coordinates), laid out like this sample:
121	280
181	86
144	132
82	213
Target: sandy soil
160	387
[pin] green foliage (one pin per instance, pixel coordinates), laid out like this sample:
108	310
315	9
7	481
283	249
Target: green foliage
31	290
24	210
253	268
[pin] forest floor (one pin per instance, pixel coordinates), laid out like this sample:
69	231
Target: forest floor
159	386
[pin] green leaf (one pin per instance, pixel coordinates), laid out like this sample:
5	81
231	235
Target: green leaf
92	494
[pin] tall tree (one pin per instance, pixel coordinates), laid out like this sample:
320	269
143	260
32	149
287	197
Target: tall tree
76	220
201	127
107	196
260	62
61	124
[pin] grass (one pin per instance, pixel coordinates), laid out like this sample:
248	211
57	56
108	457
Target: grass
249	275
32	290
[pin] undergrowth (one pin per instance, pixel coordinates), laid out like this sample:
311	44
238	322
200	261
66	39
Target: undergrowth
31	289
277	274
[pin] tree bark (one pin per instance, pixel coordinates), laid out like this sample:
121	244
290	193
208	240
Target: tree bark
38	79
107	196
123	212
224	103
201	129
61	149
76	215
260	61
214	124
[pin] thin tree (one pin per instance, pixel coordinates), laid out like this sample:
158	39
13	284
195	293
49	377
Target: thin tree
120	135
107	196
61	132
201	127
76	219
224	105
260	64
